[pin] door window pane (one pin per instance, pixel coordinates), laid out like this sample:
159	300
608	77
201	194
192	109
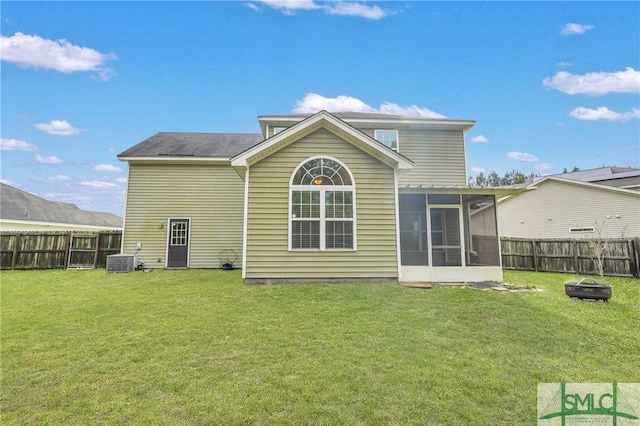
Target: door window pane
179	234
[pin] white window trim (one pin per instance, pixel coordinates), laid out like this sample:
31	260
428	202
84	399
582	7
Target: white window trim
322	219
375	136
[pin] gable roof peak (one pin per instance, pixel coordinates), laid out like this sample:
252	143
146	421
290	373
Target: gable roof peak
300	128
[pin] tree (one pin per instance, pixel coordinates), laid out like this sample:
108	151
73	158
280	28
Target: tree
575	169
493	179
600	245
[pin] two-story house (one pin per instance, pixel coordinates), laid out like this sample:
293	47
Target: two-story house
322	197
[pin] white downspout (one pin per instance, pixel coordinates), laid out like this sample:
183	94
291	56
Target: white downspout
245	220
397	208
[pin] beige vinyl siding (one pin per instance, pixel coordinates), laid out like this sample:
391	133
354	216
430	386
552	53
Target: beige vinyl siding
438	155
211	195
568	205
268	256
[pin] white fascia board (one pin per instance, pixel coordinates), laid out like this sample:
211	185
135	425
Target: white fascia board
421	121
435	123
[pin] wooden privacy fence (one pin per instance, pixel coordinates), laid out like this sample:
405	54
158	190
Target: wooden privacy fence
621	257
57	250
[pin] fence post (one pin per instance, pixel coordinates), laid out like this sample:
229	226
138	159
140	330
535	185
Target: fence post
576	261
67	248
534	251
95	256
16	249
632	246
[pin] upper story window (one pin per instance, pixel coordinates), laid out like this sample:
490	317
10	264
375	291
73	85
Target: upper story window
277	130
322	206
387	137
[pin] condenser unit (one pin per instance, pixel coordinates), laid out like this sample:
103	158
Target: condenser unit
121	263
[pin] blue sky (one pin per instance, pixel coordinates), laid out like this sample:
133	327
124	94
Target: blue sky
551	85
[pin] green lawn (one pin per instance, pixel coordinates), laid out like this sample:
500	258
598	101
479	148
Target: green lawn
200	347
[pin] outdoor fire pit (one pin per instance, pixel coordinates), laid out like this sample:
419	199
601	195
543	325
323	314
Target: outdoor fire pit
588	288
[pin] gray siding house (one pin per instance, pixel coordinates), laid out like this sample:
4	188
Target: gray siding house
22	211
322	197
559	207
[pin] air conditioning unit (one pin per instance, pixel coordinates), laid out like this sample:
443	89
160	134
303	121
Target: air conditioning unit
121	263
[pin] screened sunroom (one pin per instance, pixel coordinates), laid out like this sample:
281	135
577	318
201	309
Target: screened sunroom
449	237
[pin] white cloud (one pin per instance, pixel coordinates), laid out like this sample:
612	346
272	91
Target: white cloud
55	179
412	111
356	9
480	139
121	180
342	8
571	29
596	83
52	159
98	184
291	5
521	156
60	55
478	169
7	182
58	127
604	114
106	168
544	166
312	103
16	145
252	6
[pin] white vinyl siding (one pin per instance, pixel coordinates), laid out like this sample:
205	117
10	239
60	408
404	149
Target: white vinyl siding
211	195
554	208
268	255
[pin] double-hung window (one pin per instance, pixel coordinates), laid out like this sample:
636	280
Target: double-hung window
322	206
388	138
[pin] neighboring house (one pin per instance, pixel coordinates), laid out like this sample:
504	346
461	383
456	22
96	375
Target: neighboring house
619	177
22	211
557	207
325	197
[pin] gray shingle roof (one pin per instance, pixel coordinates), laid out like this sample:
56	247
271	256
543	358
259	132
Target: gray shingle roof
20	205
180	144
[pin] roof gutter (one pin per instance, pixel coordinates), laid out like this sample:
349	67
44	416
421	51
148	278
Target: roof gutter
174	159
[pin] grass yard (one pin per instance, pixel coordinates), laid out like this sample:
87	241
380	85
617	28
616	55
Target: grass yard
200	347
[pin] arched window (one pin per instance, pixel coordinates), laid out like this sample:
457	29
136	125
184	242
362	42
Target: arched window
322	206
